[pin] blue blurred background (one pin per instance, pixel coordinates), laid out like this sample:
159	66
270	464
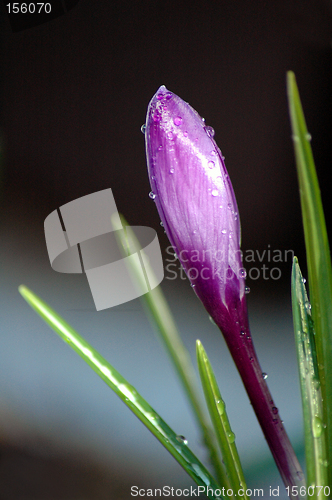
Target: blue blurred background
74	94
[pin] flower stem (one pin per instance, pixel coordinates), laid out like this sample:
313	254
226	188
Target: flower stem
241	347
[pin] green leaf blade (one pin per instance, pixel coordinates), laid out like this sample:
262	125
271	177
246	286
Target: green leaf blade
127	393
225	436
318	253
162	319
314	432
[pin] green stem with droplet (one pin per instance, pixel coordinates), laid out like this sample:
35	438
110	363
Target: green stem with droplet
314	432
127	393
162	319
225	436
318	253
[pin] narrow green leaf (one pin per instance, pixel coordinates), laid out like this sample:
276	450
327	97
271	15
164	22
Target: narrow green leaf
162	319
314	432
225	436
127	393
318	253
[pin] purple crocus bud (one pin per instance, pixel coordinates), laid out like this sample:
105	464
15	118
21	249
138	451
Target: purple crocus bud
197	206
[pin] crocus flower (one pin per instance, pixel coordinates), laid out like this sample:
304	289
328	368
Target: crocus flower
197	206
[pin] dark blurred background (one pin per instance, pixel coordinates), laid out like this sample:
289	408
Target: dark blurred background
74	94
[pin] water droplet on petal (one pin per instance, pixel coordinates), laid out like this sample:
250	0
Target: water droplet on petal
185	134
210	131
242	332
229	205
242	273
215	192
264	375
304	280
161	223
308	137
212	321
247	290
177	121
181	439
143	128
160	148
224	231
275	410
152	195
171	170
192	285
203	119
170	135
213	152
211	164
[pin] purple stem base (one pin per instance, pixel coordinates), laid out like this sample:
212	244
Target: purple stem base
239	341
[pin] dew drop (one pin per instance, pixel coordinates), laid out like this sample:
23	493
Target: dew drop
177	121
212	321
213	152
152	195
170	135
220	406
181	439
229	206
160	148
251	360
203	120
211	164
242	332
275	421
161	223
304	280
171	170
275	410
230	437
224	231
323	462
194	231
317	426
143	128
242	273
295	138
300	475
192	285
210	131
185	134
215	192
308	137
247	290
264	375
308	307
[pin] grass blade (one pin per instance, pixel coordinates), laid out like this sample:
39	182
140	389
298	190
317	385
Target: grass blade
318	253
314	432
225	436
161	317
168	438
